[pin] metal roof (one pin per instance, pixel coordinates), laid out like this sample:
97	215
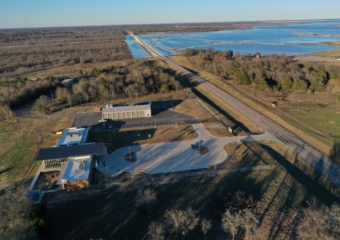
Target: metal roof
70	151
126	108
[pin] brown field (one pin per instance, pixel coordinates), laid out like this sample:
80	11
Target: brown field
331	53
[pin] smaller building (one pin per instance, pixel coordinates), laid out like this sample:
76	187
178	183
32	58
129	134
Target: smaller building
76	169
57	157
126	112
73	136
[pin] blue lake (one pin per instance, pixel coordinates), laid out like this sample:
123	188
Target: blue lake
290	39
136	49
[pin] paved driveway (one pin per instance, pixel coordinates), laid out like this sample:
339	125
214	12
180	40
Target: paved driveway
173	156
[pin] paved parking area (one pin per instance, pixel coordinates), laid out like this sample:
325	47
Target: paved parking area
173	156
160	116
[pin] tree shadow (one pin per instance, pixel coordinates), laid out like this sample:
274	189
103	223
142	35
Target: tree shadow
6	170
237	123
313	187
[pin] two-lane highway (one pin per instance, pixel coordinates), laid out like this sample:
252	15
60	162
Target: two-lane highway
321	163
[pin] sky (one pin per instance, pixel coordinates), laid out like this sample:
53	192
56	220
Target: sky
52	13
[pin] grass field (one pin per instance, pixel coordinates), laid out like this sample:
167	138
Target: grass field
282	118
20	141
325	120
280	192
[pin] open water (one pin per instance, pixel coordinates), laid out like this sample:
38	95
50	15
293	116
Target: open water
291	39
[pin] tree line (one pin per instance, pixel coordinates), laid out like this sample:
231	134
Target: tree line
274	72
18	91
27	50
236	219
138	78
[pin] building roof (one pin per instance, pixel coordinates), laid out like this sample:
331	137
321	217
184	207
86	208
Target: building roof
126	108
73	136
71	151
76	169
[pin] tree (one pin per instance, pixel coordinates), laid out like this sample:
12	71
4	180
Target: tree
5	112
17	219
287	84
62	94
229	53
42	104
231	223
145	199
165	88
181	221
241	78
70	99
312	225
205	226
242	223
156	231
338	98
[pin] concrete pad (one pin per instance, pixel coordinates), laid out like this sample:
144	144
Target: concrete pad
173	156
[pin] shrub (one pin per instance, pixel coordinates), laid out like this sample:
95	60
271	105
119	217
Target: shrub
181	221
144	200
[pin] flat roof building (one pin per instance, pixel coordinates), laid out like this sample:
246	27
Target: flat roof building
73	136
126	112
76	169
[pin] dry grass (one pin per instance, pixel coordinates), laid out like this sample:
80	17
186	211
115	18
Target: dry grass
195	108
72	70
218	129
21	141
332	53
248	124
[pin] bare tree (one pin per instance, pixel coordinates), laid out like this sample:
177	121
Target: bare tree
205	226
156	231
313	225
16	220
231	223
181	221
6	112
42	104
145	199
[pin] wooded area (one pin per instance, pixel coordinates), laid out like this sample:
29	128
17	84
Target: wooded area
268	73
28	50
16	92
138	78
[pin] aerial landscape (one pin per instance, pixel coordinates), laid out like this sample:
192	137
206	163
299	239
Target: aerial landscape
170	120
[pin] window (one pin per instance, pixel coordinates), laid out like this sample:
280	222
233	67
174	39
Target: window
58	163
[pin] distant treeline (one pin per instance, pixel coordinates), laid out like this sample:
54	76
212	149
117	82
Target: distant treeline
138	78
27	50
274	72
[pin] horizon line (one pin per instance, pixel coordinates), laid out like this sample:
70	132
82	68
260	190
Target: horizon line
171	23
